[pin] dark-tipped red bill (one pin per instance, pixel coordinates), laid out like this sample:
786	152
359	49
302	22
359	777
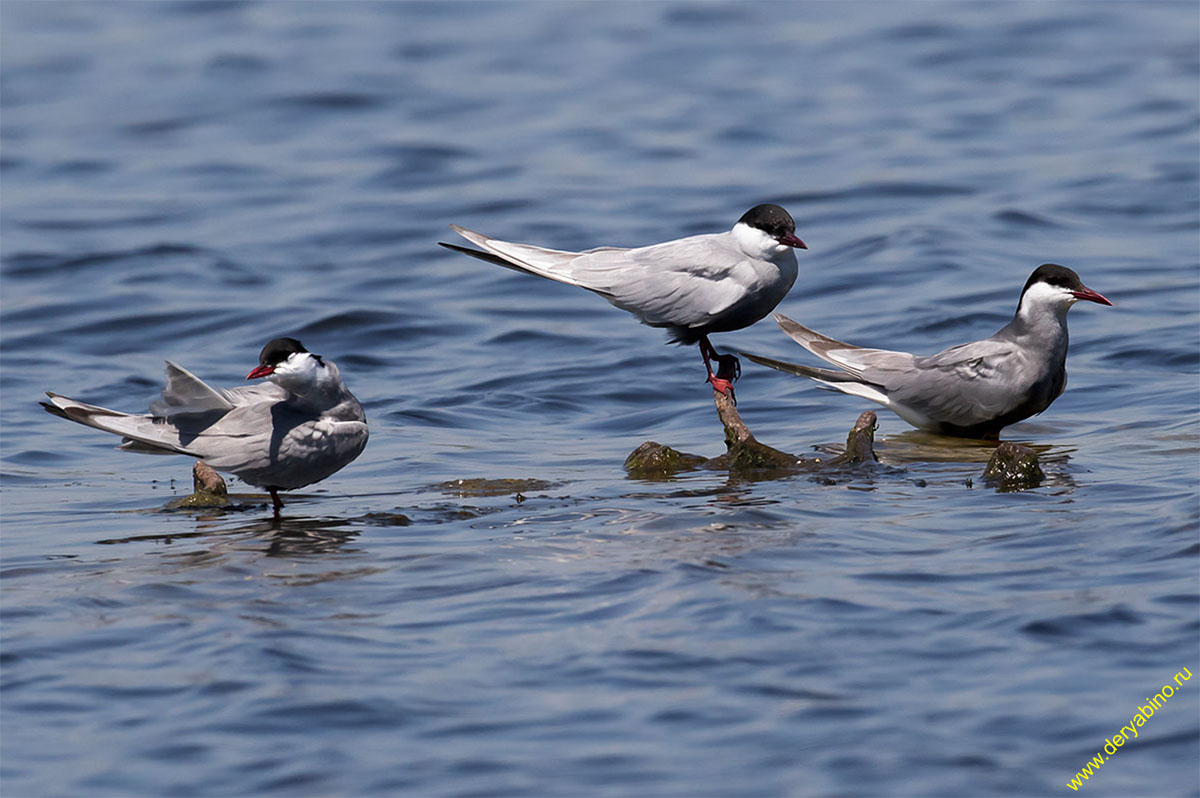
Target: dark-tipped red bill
1090	296
791	240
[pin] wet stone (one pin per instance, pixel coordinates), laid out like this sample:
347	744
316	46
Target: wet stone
206	480
386	519
746	457
493	487
751	455
208	488
653	460
860	443
1013	467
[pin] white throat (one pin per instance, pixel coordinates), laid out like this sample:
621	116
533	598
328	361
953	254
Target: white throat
757	243
1045	304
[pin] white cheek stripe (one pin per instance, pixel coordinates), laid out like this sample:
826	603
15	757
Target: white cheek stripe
1043	297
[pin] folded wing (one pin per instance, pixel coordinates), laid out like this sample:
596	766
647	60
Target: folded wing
963	386
684	283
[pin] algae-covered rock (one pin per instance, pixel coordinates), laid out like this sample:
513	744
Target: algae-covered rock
746	457
751	455
493	487
1013	467
745	453
208	490
198	500
860	443
386	519
652	460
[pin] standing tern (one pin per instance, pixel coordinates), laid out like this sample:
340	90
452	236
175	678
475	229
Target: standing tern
299	427
692	286
971	390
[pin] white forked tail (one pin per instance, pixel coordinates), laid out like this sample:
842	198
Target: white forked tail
553	264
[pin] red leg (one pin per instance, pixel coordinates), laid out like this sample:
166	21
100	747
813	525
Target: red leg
728	367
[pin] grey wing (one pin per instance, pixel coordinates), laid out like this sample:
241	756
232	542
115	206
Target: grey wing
264	443
868	365
187	393
964	385
553	264
234	441
317	449
263	393
682	283
678	283
274	447
143	433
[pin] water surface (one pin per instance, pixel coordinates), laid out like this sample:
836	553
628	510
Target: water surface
189	180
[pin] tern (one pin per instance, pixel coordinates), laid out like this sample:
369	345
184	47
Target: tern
971	390
692	286
299	427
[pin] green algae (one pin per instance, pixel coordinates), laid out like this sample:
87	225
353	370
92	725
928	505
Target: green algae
208	490
493	487
860	442
653	460
1013	467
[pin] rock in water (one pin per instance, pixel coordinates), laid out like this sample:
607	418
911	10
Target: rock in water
860	443
1013	467
652	460
745	452
208	490
205	480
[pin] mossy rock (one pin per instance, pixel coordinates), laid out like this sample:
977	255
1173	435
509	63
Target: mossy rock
1013	467
208	488
493	487
750	455
199	501
386	519
653	460
860	443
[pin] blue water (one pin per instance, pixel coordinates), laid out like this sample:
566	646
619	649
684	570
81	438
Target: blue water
188	180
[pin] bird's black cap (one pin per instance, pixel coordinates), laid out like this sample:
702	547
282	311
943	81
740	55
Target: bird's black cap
1055	275
771	219
279	350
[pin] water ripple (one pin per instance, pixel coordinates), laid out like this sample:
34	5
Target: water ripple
484	602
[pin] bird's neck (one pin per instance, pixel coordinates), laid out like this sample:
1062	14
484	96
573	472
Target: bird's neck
1042	322
759	245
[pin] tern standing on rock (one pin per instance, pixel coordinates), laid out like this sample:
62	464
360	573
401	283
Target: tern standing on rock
298	428
971	390
692	287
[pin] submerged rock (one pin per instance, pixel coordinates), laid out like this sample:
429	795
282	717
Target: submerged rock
386	519
746	453
751	455
1013	467
208	489
652	460
746	457
860	443
493	487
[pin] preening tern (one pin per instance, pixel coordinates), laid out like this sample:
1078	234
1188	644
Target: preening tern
299	427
